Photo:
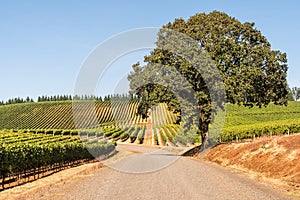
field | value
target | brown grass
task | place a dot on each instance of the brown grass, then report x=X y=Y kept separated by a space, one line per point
x=277 y=157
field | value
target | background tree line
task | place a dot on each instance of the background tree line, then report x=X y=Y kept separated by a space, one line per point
x=294 y=93
x=44 y=98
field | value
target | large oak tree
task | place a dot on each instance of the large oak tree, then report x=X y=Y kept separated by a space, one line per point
x=252 y=73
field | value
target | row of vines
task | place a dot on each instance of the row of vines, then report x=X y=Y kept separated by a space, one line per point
x=28 y=154
x=82 y=114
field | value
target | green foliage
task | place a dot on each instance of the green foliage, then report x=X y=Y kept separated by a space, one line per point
x=163 y=137
x=21 y=152
x=239 y=115
x=91 y=133
x=134 y=134
x=74 y=133
x=57 y=132
x=59 y=115
x=117 y=134
x=49 y=132
x=141 y=135
x=65 y=132
x=257 y=130
x=252 y=73
x=99 y=134
x=156 y=139
x=124 y=136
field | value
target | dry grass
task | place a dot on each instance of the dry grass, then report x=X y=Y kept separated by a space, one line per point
x=42 y=185
x=276 y=158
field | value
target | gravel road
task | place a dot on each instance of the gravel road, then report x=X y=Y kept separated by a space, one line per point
x=182 y=178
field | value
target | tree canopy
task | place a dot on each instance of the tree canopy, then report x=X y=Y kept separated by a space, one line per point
x=251 y=73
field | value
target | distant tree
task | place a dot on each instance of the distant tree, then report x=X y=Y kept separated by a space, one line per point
x=253 y=73
x=290 y=94
x=296 y=93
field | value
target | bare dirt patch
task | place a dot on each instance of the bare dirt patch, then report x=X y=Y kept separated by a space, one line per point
x=273 y=159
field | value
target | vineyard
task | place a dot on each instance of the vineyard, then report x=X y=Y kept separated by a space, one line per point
x=245 y=123
x=117 y=120
x=43 y=137
x=25 y=155
x=83 y=114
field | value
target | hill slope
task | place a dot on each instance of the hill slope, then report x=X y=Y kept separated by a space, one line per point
x=240 y=122
x=272 y=157
x=86 y=114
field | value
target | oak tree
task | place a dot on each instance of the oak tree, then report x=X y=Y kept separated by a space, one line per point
x=252 y=73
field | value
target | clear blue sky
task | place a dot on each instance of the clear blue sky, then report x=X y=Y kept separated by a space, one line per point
x=43 y=43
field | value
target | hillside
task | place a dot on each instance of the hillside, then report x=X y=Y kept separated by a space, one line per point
x=59 y=115
x=88 y=114
x=239 y=115
x=273 y=158
x=246 y=123
x=240 y=122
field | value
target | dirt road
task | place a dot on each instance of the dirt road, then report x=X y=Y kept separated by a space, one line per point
x=180 y=178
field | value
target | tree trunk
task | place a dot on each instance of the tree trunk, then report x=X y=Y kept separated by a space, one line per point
x=3 y=180
x=204 y=136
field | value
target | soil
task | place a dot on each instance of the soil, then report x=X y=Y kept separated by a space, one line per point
x=148 y=134
x=273 y=159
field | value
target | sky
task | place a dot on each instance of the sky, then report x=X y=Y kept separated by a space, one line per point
x=44 y=44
